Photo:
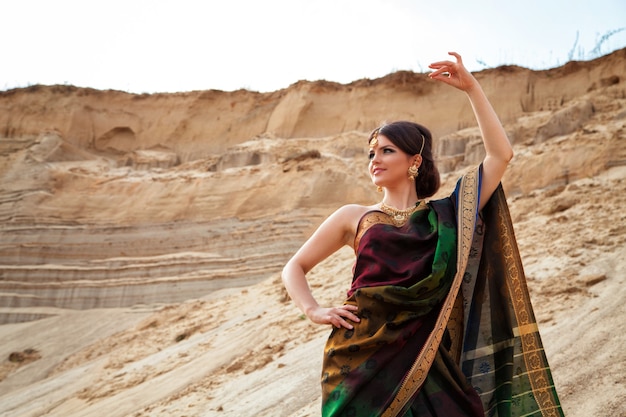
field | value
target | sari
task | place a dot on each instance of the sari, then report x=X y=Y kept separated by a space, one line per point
x=447 y=328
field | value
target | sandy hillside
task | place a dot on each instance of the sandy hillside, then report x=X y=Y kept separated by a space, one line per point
x=142 y=236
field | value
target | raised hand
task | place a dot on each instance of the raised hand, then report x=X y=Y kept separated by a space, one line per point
x=453 y=73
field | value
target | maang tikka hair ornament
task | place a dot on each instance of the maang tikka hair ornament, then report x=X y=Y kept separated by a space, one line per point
x=374 y=141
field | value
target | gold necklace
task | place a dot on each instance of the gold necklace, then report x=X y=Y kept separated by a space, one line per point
x=399 y=217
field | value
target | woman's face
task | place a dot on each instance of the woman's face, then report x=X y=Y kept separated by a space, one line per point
x=388 y=165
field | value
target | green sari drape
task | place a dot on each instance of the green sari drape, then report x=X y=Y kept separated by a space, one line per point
x=454 y=334
x=503 y=355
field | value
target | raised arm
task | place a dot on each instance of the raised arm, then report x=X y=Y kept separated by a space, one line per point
x=497 y=146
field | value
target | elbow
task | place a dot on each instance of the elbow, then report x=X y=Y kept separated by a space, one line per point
x=509 y=155
x=506 y=151
x=289 y=270
x=284 y=275
x=506 y=154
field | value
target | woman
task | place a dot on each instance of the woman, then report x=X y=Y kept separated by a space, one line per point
x=424 y=330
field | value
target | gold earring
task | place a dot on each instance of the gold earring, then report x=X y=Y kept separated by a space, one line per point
x=379 y=189
x=413 y=172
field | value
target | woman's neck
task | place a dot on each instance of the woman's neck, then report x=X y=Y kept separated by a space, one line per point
x=400 y=200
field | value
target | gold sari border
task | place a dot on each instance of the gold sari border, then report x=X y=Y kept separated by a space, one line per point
x=466 y=213
x=538 y=373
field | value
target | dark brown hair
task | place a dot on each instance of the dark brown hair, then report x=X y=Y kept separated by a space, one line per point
x=408 y=137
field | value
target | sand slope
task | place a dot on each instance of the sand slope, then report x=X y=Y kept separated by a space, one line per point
x=142 y=237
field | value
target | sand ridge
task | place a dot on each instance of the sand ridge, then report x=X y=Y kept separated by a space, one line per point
x=142 y=240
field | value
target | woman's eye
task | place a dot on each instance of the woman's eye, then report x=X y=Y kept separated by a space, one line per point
x=387 y=150
x=371 y=155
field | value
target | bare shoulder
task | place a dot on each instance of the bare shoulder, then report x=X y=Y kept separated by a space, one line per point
x=347 y=218
x=352 y=213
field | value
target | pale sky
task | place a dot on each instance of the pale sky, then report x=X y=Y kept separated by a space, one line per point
x=148 y=46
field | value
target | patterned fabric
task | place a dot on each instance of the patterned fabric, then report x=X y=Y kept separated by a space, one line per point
x=503 y=355
x=372 y=370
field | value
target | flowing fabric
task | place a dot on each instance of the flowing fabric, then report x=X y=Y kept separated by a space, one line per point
x=502 y=355
x=430 y=342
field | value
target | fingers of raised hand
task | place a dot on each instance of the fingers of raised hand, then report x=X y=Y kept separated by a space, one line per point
x=459 y=60
x=446 y=69
x=441 y=72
